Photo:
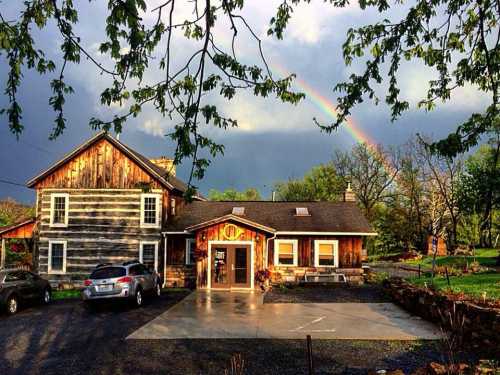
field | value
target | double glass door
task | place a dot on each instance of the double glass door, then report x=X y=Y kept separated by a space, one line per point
x=230 y=266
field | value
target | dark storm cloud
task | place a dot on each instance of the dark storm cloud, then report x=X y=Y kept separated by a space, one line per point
x=278 y=143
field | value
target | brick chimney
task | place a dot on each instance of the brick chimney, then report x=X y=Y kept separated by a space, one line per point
x=165 y=164
x=349 y=195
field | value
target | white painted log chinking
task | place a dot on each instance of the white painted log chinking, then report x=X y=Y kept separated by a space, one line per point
x=100 y=240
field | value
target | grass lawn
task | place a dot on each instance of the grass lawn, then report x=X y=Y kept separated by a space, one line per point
x=377 y=257
x=66 y=294
x=472 y=285
x=76 y=293
x=485 y=257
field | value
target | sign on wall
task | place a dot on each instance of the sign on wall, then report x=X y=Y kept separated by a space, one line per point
x=231 y=232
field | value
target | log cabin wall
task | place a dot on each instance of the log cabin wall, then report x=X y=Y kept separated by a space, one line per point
x=216 y=233
x=104 y=187
x=103 y=227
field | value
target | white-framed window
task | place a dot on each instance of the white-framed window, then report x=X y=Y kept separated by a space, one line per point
x=150 y=210
x=148 y=254
x=285 y=252
x=172 y=206
x=59 y=204
x=57 y=257
x=190 y=249
x=326 y=253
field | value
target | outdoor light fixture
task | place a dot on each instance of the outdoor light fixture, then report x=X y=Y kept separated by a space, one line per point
x=203 y=236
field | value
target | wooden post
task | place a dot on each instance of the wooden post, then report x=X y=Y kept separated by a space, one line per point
x=447 y=276
x=3 y=254
x=310 y=364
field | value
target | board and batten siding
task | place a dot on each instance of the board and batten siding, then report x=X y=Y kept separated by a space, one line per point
x=103 y=227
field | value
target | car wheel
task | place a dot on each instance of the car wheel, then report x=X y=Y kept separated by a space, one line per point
x=47 y=296
x=12 y=305
x=138 y=298
x=158 y=290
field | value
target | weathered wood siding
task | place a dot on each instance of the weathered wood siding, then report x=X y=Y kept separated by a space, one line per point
x=216 y=233
x=100 y=166
x=349 y=250
x=103 y=226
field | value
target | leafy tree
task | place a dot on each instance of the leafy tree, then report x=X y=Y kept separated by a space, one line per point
x=321 y=183
x=182 y=90
x=372 y=172
x=480 y=188
x=458 y=39
x=250 y=194
x=12 y=212
x=443 y=174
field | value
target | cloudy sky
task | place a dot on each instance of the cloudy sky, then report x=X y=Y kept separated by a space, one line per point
x=274 y=141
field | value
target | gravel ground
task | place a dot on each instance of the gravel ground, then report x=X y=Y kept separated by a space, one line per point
x=367 y=293
x=66 y=338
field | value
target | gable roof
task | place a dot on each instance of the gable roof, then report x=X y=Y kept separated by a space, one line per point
x=325 y=217
x=231 y=217
x=162 y=176
x=26 y=231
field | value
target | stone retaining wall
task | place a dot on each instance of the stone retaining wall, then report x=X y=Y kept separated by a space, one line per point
x=480 y=324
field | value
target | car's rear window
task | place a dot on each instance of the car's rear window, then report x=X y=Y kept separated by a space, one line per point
x=108 y=273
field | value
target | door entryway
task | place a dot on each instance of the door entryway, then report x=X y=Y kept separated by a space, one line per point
x=230 y=266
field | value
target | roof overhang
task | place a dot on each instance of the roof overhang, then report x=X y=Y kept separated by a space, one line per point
x=234 y=218
x=299 y=233
x=123 y=148
x=23 y=229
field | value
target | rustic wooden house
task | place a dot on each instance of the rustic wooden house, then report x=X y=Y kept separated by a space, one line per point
x=104 y=202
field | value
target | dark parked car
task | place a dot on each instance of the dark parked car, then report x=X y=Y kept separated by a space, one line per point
x=17 y=286
x=129 y=280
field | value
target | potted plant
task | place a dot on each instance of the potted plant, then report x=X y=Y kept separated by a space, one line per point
x=263 y=278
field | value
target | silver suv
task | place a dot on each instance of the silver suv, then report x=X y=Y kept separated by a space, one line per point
x=130 y=280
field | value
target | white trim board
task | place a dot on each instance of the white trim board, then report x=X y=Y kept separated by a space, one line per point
x=49 y=262
x=328 y=233
x=52 y=208
x=187 y=253
x=158 y=209
x=141 y=255
x=335 y=244
x=295 y=252
x=252 y=260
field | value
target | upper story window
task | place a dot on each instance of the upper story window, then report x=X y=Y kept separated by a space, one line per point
x=59 y=203
x=150 y=210
x=57 y=257
x=285 y=252
x=172 y=206
x=326 y=253
x=190 y=250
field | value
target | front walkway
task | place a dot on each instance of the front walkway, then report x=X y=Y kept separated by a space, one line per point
x=228 y=315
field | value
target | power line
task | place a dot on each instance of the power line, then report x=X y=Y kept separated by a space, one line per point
x=12 y=183
x=36 y=147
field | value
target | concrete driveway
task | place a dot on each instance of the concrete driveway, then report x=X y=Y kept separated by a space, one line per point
x=232 y=315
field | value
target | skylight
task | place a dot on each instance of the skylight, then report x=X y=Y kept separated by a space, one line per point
x=302 y=211
x=240 y=211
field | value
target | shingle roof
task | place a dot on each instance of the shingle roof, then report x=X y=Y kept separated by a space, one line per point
x=160 y=174
x=342 y=217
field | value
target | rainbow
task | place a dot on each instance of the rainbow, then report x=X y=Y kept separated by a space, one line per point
x=325 y=105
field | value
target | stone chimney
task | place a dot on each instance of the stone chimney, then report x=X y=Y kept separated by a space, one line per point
x=165 y=164
x=349 y=195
